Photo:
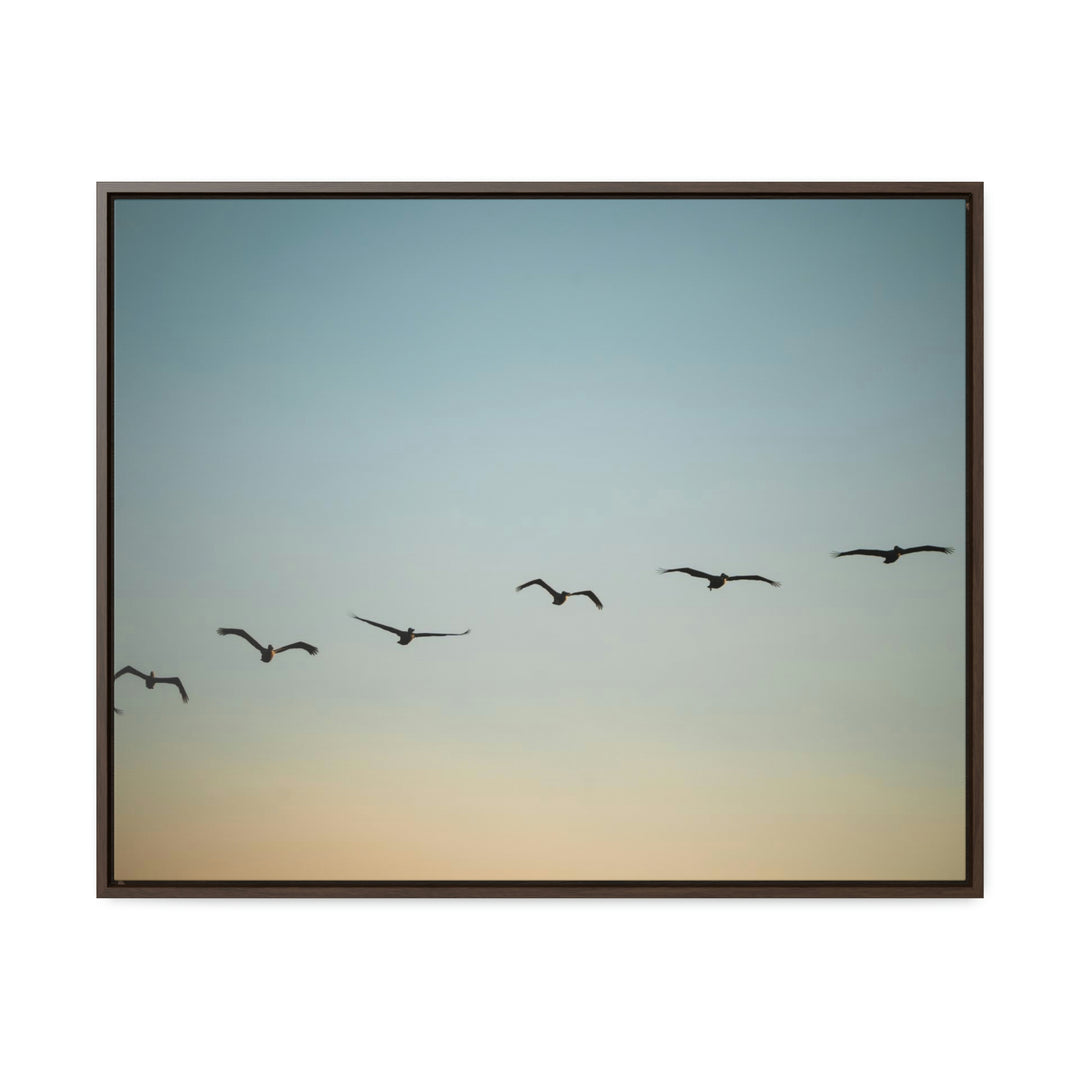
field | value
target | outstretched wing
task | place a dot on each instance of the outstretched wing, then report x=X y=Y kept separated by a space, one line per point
x=223 y=630
x=927 y=547
x=129 y=670
x=309 y=649
x=535 y=581
x=381 y=626
x=591 y=595
x=753 y=577
x=462 y=634
x=860 y=551
x=684 y=570
x=175 y=680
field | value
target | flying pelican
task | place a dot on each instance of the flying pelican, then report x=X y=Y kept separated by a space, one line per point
x=268 y=651
x=892 y=556
x=405 y=636
x=718 y=581
x=558 y=598
x=152 y=680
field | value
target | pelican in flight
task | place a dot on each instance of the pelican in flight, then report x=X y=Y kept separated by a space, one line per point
x=558 y=598
x=268 y=652
x=152 y=680
x=718 y=581
x=405 y=636
x=892 y=556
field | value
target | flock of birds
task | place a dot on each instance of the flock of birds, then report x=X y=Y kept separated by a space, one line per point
x=407 y=636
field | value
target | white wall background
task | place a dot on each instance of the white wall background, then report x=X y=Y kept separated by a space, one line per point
x=482 y=90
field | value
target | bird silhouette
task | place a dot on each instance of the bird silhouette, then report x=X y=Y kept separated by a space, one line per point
x=267 y=652
x=893 y=555
x=406 y=636
x=152 y=680
x=558 y=598
x=718 y=581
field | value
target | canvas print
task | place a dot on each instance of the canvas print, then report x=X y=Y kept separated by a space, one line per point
x=538 y=539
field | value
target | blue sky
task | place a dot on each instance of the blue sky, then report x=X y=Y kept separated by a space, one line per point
x=404 y=408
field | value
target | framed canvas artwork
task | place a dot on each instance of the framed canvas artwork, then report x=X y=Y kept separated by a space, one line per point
x=387 y=473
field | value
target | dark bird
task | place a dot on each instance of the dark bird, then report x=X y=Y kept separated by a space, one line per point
x=405 y=636
x=152 y=680
x=268 y=652
x=558 y=598
x=718 y=581
x=892 y=556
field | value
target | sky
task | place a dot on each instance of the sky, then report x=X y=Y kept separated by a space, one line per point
x=403 y=408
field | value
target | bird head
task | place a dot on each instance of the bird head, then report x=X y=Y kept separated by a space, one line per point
x=410 y=630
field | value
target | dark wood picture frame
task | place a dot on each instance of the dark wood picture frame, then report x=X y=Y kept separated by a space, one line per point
x=970 y=886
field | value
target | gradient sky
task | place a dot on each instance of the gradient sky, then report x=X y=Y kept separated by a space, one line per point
x=404 y=408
